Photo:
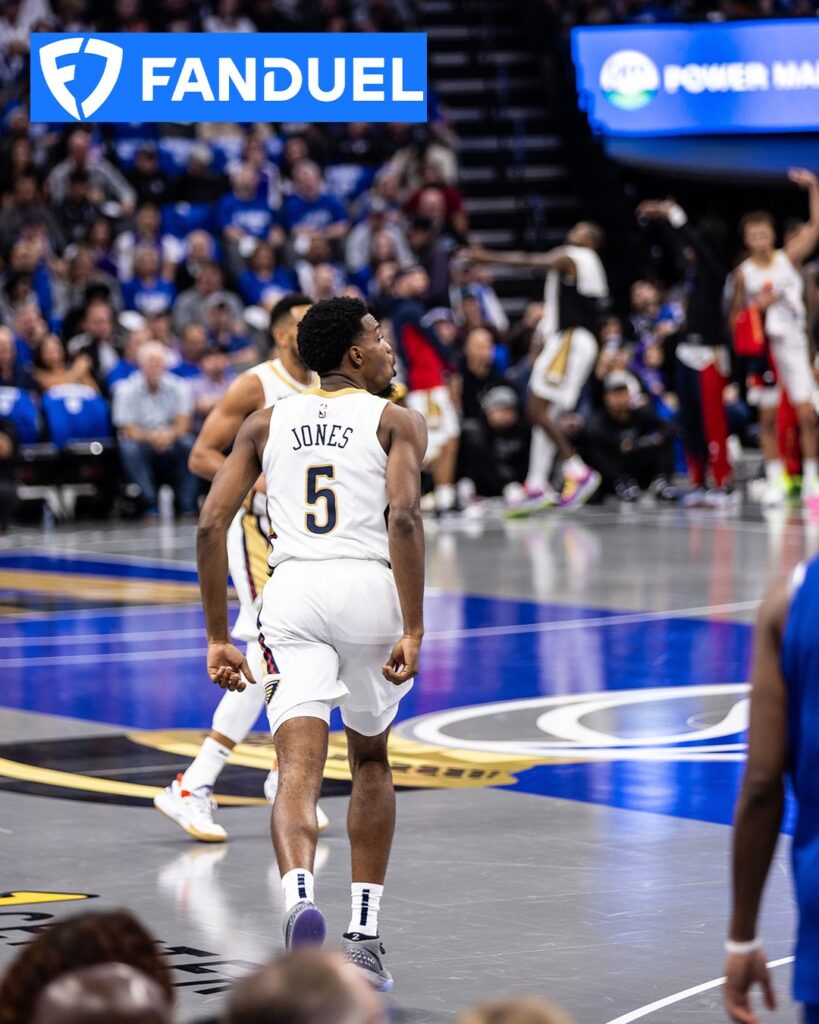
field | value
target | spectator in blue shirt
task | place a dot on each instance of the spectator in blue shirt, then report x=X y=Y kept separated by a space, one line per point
x=263 y=282
x=241 y=214
x=146 y=292
x=310 y=211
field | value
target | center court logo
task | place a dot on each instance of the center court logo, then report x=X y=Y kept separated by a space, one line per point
x=57 y=76
x=629 y=80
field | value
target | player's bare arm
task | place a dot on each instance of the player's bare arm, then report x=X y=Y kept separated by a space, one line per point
x=403 y=434
x=555 y=259
x=801 y=244
x=759 y=809
x=244 y=396
x=226 y=663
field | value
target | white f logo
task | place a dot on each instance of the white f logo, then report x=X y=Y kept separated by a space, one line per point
x=57 y=77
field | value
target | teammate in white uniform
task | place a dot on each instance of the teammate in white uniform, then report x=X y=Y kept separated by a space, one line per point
x=771 y=279
x=188 y=800
x=575 y=292
x=342 y=615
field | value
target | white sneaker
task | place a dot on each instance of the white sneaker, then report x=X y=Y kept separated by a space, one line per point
x=773 y=496
x=191 y=811
x=271 y=787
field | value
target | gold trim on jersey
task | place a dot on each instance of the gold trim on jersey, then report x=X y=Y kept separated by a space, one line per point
x=257 y=550
x=336 y=394
x=289 y=380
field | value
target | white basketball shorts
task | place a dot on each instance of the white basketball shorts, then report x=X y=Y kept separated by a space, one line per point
x=327 y=627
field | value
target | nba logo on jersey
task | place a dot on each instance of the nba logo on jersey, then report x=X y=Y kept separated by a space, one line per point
x=322 y=413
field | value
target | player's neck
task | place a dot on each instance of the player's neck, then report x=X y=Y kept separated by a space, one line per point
x=339 y=381
x=764 y=260
x=295 y=367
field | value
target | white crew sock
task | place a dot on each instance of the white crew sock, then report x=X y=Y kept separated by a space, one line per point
x=205 y=768
x=444 y=497
x=810 y=471
x=574 y=467
x=541 y=460
x=773 y=473
x=366 y=902
x=297 y=886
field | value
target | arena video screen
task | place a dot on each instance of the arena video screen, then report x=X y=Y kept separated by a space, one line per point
x=699 y=79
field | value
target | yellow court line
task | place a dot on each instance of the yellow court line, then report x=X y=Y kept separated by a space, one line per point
x=26 y=899
x=99 y=587
x=89 y=784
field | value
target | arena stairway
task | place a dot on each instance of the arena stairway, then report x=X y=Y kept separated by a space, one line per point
x=514 y=155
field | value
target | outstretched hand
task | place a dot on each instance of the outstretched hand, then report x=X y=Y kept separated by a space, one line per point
x=227 y=665
x=403 y=661
x=802 y=177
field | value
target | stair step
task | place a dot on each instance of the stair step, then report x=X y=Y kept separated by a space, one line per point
x=492 y=143
x=524 y=113
x=485 y=83
x=449 y=33
x=515 y=204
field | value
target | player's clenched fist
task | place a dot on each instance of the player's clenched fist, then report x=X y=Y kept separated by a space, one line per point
x=403 y=663
x=227 y=665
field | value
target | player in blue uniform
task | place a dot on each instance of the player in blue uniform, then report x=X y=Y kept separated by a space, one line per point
x=783 y=742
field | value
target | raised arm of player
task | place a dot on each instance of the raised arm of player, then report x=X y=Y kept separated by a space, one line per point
x=244 y=396
x=226 y=663
x=405 y=434
x=556 y=259
x=760 y=807
x=802 y=243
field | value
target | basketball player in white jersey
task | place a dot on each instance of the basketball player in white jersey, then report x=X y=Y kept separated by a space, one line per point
x=188 y=800
x=771 y=280
x=575 y=293
x=342 y=614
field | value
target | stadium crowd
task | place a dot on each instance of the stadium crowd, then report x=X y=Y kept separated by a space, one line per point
x=140 y=266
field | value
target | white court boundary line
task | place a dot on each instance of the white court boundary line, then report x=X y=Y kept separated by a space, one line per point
x=678 y=997
x=552 y=626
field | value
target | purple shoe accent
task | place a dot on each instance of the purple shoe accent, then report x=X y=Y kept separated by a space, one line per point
x=309 y=928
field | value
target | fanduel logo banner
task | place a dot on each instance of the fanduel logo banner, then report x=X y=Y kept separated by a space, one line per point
x=189 y=77
x=700 y=79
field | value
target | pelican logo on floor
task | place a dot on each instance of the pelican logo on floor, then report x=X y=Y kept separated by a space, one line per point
x=190 y=77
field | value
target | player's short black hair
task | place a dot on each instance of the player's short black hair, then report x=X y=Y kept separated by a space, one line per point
x=283 y=307
x=327 y=330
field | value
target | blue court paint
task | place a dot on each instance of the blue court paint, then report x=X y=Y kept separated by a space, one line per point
x=141 y=669
x=90 y=566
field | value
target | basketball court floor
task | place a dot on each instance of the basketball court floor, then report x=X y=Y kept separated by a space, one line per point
x=567 y=762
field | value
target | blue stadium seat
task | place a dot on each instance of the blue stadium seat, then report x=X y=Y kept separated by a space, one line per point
x=18 y=406
x=75 y=412
x=348 y=181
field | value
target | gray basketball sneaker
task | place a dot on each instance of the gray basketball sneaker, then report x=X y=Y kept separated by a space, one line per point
x=304 y=926
x=366 y=953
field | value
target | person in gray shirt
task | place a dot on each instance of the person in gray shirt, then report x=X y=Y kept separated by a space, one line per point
x=105 y=180
x=152 y=413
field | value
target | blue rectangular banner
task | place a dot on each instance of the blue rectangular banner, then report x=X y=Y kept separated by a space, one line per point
x=760 y=76
x=190 y=77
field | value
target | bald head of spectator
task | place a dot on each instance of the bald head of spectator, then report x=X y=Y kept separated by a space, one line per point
x=103 y=994
x=515 y=1010
x=432 y=205
x=152 y=363
x=305 y=987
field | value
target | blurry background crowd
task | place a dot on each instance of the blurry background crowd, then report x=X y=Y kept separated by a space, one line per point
x=139 y=266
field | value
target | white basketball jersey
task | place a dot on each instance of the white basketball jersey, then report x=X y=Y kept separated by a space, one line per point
x=786 y=316
x=326 y=477
x=277 y=382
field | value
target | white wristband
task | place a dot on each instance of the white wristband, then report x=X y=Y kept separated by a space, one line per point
x=742 y=948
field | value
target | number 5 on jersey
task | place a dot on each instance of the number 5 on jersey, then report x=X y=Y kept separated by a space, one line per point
x=314 y=494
